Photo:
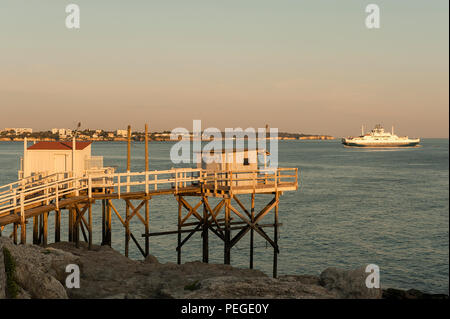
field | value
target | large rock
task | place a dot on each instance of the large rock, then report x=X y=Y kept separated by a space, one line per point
x=106 y=273
x=348 y=283
x=39 y=272
x=2 y=274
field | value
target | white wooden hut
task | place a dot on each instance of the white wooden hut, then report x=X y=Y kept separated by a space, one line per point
x=236 y=160
x=48 y=157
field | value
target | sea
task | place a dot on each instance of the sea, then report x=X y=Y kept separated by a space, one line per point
x=354 y=207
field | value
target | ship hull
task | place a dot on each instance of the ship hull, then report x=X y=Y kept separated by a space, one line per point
x=353 y=144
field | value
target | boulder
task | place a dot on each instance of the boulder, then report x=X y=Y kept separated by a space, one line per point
x=348 y=284
x=2 y=274
x=39 y=272
x=150 y=259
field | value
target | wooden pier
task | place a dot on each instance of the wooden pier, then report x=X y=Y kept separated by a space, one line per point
x=36 y=198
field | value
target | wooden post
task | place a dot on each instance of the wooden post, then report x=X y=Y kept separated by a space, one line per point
x=15 y=233
x=57 y=226
x=70 y=230
x=128 y=157
x=227 y=255
x=23 y=233
x=129 y=148
x=252 y=214
x=76 y=228
x=147 y=209
x=127 y=229
x=147 y=230
x=35 y=230
x=41 y=228
x=146 y=147
x=275 y=239
x=45 y=228
x=103 y=221
x=179 y=231
x=108 y=224
x=90 y=225
x=205 y=232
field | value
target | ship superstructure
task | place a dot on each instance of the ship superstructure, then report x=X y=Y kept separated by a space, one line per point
x=378 y=137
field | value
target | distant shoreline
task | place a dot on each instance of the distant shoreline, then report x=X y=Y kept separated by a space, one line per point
x=141 y=139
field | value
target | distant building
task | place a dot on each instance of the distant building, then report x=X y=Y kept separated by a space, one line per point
x=21 y=130
x=62 y=132
x=122 y=133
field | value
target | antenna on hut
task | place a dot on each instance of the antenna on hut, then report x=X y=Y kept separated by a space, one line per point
x=74 y=136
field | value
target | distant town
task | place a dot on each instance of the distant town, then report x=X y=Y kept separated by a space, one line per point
x=61 y=134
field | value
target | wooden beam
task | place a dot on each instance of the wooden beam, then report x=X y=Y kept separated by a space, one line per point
x=275 y=239
x=35 y=230
x=90 y=226
x=45 y=228
x=179 y=231
x=147 y=228
x=192 y=210
x=57 y=226
x=236 y=199
x=227 y=242
x=205 y=226
x=252 y=234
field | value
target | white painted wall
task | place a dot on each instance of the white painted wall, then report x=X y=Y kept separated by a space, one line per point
x=55 y=161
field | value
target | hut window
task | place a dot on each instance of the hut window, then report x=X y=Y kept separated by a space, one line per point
x=246 y=161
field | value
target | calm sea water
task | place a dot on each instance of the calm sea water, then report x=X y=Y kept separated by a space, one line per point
x=353 y=207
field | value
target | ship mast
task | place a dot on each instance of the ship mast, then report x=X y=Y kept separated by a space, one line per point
x=392 y=129
x=362 y=130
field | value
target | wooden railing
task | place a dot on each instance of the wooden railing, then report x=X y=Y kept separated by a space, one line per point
x=53 y=188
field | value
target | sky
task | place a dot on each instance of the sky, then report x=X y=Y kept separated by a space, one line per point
x=301 y=66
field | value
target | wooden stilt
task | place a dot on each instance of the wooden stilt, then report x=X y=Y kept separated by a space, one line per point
x=35 y=230
x=45 y=229
x=70 y=230
x=227 y=251
x=108 y=223
x=76 y=228
x=57 y=226
x=147 y=230
x=103 y=221
x=14 y=234
x=275 y=239
x=41 y=229
x=179 y=231
x=205 y=232
x=23 y=232
x=90 y=225
x=252 y=234
x=127 y=229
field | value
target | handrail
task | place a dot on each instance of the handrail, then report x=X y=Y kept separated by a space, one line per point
x=52 y=187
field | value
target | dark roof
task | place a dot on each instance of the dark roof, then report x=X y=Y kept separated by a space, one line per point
x=67 y=145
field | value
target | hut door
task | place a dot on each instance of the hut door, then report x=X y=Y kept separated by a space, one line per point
x=60 y=163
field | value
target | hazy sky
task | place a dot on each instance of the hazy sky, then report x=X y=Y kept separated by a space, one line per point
x=302 y=66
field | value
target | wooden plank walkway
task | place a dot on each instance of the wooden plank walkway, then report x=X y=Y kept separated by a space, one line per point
x=37 y=198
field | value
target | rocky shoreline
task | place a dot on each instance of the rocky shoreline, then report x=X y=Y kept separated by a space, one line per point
x=29 y=271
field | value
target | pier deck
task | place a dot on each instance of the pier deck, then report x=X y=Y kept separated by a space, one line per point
x=35 y=198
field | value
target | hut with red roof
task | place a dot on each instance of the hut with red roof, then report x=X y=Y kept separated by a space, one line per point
x=48 y=157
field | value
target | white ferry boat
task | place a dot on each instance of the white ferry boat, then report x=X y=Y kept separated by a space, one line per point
x=379 y=138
